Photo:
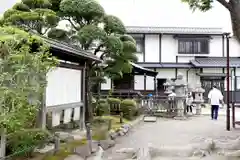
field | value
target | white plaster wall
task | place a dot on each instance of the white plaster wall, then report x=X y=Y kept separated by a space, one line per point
x=231 y=80
x=107 y=85
x=215 y=46
x=63 y=86
x=234 y=48
x=238 y=78
x=185 y=59
x=166 y=73
x=183 y=72
x=212 y=70
x=152 y=48
x=149 y=83
x=169 y=49
x=138 y=82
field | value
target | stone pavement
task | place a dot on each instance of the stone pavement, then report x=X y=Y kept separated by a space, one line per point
x=168 y=132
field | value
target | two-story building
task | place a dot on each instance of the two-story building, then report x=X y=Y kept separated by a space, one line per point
x=198 y=53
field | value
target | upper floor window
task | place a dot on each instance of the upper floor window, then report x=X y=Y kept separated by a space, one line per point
x=193 y=46
x=139 y=38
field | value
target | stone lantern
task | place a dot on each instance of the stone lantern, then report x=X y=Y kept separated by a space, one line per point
x=180 y=91
x=168 y=86
x=198 y=91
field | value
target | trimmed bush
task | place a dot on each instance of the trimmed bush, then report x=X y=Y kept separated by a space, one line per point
x=114 y=100
x=114 y=105
x=129 y=108
x=103 y=108
x=23 y=142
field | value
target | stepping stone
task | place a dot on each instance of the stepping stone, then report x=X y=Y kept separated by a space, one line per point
x=149 y=119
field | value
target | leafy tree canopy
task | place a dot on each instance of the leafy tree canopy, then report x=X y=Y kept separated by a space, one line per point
x=24 y=60
x=233 y=6
x=92 y=29
x=32 y=15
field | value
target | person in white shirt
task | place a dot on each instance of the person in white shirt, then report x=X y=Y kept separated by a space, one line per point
x=215 y=98
x=189 y=101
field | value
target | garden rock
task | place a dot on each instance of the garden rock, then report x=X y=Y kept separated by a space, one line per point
x=106 y=144
x=121 y=133
x=113 y=135
x=84 y=151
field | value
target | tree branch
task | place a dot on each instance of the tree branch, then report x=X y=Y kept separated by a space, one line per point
x=225 y=4
x=98 y=49
x=74 y=26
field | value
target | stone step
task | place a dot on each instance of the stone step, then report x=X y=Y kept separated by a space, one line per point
x=150 y=119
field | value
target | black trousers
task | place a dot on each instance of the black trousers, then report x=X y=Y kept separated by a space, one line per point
x=214 y=111
x=189 y=108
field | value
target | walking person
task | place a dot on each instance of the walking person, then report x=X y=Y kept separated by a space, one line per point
x=189 y=101
x=215 y=98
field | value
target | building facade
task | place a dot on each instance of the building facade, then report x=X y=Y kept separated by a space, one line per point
x=198 y=53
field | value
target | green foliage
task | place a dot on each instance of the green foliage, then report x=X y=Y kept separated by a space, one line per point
x=203 y=5
x=25 y=60
x=103 y=108
x=129 y=108
x=114 y=101
x=82 y=12
x=24 y=141
x=32 y=15
x=113 y=24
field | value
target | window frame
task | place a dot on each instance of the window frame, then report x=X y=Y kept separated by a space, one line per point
x=139 y=39
x=192 y=47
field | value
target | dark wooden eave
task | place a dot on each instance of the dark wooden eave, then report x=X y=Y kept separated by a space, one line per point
x=137 y=69
x=65 y=51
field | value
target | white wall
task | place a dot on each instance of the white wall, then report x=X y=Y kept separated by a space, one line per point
x=234 y=48
x=138 y=82
x=169 y=49
x=166 y=73
x=64 y=86
x=185 y=59
x=215 y=46
x=152 y=48
x=107 y=85
x=212 y=70
x=149 y=83
x=193 y=78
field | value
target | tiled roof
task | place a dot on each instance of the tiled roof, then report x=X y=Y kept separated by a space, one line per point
x=174 y=30
x=71 y=49
x=215 y=62
x=165 y=65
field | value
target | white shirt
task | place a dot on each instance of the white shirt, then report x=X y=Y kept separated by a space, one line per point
x=189 y=101
x=215 y=96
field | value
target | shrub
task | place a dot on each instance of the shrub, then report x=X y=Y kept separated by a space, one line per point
x=102 y=108
x=23 y=142
x=114 y=105
x=129 y=108
x=114 y=100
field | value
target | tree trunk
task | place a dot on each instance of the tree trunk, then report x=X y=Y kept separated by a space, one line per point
x=235 y=17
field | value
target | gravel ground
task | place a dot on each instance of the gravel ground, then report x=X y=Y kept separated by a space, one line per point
x=168 y=132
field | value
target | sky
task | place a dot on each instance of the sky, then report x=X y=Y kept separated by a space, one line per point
x=158 y=13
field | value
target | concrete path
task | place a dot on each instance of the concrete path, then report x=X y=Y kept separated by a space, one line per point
x=168 y=132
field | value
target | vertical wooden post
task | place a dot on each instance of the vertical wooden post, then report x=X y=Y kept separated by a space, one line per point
x=121 y=117
x=228 y=87
x=83 y=98
x=110 y=124
x=89 y=136
x=56 y=142
x=3 y=143
x=42 y=113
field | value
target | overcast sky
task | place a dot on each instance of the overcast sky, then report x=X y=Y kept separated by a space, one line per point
x=167 y=13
